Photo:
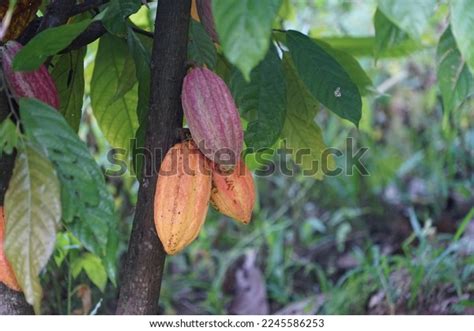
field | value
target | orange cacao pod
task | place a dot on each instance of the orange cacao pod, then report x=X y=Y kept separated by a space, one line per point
x=31 y=84
x=7 y=276
x=182 y=196
x=233 y=194
x=194 y=13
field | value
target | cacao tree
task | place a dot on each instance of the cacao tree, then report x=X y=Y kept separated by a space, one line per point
x=229 y=70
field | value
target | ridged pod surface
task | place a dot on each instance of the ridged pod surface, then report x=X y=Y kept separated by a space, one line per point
x=233 y=194
x=32 y=84
x=204 y=9
x=7 y=276
x=212 y=116
x=182 y=196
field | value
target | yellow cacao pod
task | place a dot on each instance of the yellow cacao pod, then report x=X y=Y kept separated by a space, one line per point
x=7 y=276
x=182 y=196
x=233 y=194
x=194 y=12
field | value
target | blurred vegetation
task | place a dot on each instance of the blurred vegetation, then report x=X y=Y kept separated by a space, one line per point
x=399 y=240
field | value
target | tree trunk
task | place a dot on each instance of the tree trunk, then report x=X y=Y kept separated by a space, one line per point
x=143 y=269
x=11 y=302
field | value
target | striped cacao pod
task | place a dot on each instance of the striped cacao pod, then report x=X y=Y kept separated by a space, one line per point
x=31 y=84
x=182 y=196
x=233 y=194
x=212 y=116
x=7 y=276
x=204 y=9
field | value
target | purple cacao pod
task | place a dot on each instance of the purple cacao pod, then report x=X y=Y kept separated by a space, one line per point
x=204 y=9
x=31 y=84
x=212 y=116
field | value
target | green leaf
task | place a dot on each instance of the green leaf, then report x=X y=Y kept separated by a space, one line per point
x=68 y=74
x=410 y=16
x=118 y=120
x=201 y=48
x=462 y=24
x=364 y=46
x=47 y=43
x=263 y=99
x=116 y=15
x=301 y=131
x=387 y=35
x=93 y=267
x=454 y=78
x=324 y=77
x=88 y=207
x=141 y=53
x=8 y=136
x=350 y=65
x=125 y=84
x=33 y=212
x=244 y=28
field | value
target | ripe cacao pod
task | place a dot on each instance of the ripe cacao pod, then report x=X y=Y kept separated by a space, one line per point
x=194 y=13
x=233 y=194
x=204 y=9
x=31 y=84
x=212 y=116
x=7 y=276
x=182 y=196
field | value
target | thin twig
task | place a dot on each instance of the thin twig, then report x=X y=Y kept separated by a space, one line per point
x=86 y=6
x=143 y=32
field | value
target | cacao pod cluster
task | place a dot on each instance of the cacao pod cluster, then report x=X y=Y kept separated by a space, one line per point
x=205 y=170
x=31 y=84
x=7 y=276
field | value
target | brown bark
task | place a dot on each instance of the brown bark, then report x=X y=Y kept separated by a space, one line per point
x=143 y=269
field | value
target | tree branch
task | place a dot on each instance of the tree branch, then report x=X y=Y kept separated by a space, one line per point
x=57 y=13
x=143 y=270
x=86 y=6
x=93 y=32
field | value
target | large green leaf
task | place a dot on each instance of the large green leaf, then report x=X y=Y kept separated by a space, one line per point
x=387 y=35
x=116 y=15
x=454 y=78
x=324 y=77
x=88 y=207
x=462 y=24
x=301 y=133
x=118 y=119
x=244 y=28
x=350 y=65
x=409 y=15
x=33 y=212
x=364 y=46
x=263 y=99
x=201 y=49
x=47 y=43
x=68 y=74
